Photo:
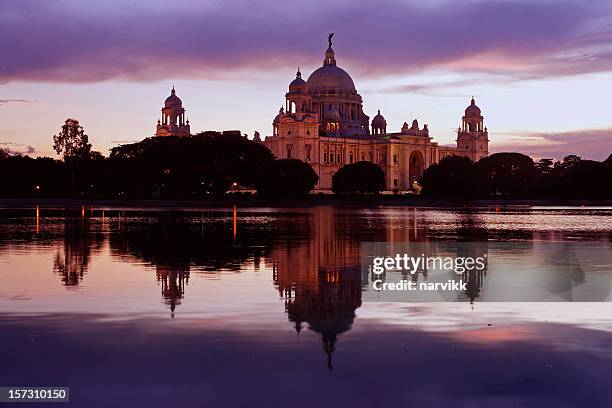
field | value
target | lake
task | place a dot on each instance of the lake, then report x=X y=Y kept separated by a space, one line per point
x=274 y=306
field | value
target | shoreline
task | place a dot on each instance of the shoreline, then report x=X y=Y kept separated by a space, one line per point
x=307 y=201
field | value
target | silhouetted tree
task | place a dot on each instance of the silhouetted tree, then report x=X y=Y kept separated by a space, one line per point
x=589 y=179
x=545 y=166
x=506 y=174
x=568 y=162
x=95 y=155
x=362 y=177
x=72 y=142
x=26 y=176
x=207 y=163
x=453 y=177
x=288 y=177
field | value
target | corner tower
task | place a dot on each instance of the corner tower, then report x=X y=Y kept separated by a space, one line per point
x=472 y=136
x=172 y=122
x=298 y=98
x=296 y=127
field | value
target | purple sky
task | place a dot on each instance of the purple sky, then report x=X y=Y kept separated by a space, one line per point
x=70 y=58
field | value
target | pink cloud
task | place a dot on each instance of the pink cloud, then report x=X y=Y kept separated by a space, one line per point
x=75 y=41
x=593 y=144
x=17 y=148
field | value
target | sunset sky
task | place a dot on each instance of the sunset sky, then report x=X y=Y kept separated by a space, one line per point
x=541 y=71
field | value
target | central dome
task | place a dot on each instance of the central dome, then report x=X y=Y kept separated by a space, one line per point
x=330 y=77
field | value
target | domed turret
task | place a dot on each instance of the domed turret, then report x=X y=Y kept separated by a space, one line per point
x=298 y=85
x=379 y=119
x=473 y=119
x=298 y=99
x=173 y=101
x=379 y=124
x=173 y=121
x=472 y=110
x=472 y=136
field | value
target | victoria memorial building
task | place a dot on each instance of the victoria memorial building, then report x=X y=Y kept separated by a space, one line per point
x=323 y=124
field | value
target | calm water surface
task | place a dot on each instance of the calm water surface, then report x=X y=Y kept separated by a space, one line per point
x=269 y=307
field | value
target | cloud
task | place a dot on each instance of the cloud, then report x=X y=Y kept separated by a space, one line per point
x=426 y=88
x=594 y=144
x=5 y=101
x=17 y=148
x=75 y=41
x=468 y=80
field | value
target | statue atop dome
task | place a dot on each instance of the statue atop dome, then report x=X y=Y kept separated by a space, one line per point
x=329 y=39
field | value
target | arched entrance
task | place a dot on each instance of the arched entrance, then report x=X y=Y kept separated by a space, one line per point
x=416 y=166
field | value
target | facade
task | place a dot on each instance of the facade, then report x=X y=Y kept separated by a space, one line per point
x=172 y=121
x=323 y=124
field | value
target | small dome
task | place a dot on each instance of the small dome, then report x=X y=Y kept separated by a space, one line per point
x=298 y=84
x=472 y=110
x=281 y=114
x=379 y=120
x=173 y=101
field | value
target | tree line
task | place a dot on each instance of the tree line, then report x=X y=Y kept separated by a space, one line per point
x=516 y=176
x=210 y=164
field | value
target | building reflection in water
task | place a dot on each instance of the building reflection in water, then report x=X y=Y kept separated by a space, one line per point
x=179 y=243
x=315 y=256
x=173 y=280
x=474 y=237
x=319 y=278
x=72 y=259
x=166 y=241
